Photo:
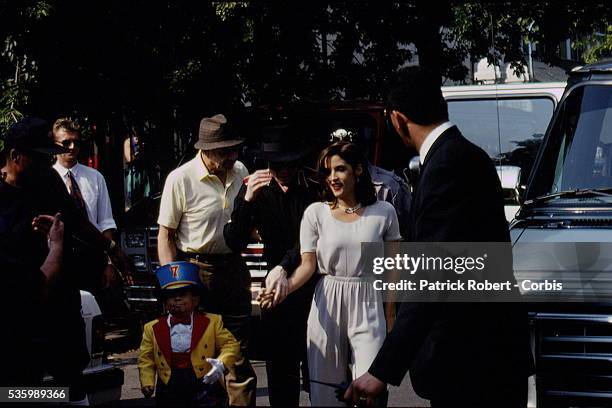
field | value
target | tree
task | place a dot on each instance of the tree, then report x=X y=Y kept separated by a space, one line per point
x=18 y=69
x=159 y=67
x=597 y=46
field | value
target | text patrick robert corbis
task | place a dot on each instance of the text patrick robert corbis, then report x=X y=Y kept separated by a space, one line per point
x=457 y=264
x=467 y=285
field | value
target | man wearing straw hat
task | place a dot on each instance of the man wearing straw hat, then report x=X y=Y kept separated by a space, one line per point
x=197 y=201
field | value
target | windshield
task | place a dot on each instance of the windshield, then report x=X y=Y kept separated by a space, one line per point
x=578 y=153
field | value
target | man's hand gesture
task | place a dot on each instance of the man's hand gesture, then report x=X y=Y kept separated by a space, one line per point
x=257 y=181
x=215 y=373
x=364 y=390
x=50 y=226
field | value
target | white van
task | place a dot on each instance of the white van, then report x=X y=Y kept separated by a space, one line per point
x=508 y=121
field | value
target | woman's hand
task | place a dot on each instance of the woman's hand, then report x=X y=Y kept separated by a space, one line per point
x=265 y=298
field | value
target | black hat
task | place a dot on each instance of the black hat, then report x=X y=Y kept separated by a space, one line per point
x=281 y=144
x=31 y=134
x=216 y=133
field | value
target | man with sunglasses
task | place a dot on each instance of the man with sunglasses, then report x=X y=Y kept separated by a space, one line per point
x=29 y=188
x=86 y=186
x=196 y=203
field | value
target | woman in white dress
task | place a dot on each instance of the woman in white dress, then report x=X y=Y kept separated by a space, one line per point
x=346 y=325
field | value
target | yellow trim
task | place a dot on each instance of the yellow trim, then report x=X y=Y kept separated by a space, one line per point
x=183 y=283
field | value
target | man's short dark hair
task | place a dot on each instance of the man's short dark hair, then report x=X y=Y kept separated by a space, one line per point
x=417 y=95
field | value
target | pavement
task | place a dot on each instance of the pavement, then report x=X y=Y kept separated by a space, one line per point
x=402 y=396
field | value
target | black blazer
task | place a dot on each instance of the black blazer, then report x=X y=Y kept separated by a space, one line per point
x=457 y=349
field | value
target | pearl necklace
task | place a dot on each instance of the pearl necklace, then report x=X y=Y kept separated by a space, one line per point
x=351 y=210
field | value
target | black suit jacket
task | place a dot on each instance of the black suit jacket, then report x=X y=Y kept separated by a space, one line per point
x=455 y=350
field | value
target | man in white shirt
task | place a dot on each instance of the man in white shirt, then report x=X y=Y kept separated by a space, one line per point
x=84 y=184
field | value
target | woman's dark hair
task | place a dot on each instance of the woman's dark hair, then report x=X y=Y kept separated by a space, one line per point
x=352 y=154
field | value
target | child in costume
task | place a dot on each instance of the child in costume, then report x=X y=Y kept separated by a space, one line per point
x=189 y=351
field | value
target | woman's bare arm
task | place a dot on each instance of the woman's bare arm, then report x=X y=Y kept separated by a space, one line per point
x=302 y=274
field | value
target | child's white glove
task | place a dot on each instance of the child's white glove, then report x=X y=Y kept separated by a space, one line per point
x=215 y=373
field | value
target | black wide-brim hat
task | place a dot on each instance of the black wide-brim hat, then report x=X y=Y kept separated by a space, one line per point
x=281 y=144
x=31 y=135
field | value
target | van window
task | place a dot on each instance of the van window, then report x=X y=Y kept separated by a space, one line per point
x=579 y=155
x=517 y=138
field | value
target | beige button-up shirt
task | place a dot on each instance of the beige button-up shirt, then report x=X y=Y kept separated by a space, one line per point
x=198 y=205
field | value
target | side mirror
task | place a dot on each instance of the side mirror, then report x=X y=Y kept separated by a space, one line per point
x=522 y=191
x=510 y=177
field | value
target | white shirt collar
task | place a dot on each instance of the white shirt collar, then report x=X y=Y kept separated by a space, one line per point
x=64 y=171
x=431 y=139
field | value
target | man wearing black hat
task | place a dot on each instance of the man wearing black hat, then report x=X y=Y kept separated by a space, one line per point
x=273 y=202
x=23 y=278
x=196 y=203
x=31 y=187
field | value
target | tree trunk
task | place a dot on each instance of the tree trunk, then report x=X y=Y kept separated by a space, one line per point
x=428 y=39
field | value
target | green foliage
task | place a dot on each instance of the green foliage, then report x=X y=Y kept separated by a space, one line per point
x=162 y=66
x=226 y=9
x=18 y=69
x=597 y=46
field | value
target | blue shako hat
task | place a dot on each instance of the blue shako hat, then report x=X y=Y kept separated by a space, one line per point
x=178 y=275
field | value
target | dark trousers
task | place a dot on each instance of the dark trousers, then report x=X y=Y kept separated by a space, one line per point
x=67 y=354
x=24 y=361
x=286 y=352
x=285 y=329
x=228 y=293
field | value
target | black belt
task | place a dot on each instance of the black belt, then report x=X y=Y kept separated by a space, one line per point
x=207 y=258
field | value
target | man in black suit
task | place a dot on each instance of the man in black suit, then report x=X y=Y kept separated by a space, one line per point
x=459 y=354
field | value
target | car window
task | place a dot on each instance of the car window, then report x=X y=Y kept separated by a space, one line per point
x=579 y=152
x=585 y=157
x=512 y=140
x=477 y=120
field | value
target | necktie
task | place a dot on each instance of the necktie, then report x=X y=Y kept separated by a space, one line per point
x=176 y=320
x=75 y=193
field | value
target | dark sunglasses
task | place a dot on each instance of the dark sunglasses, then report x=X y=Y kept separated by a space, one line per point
x=68 y=143
x=283 y=165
